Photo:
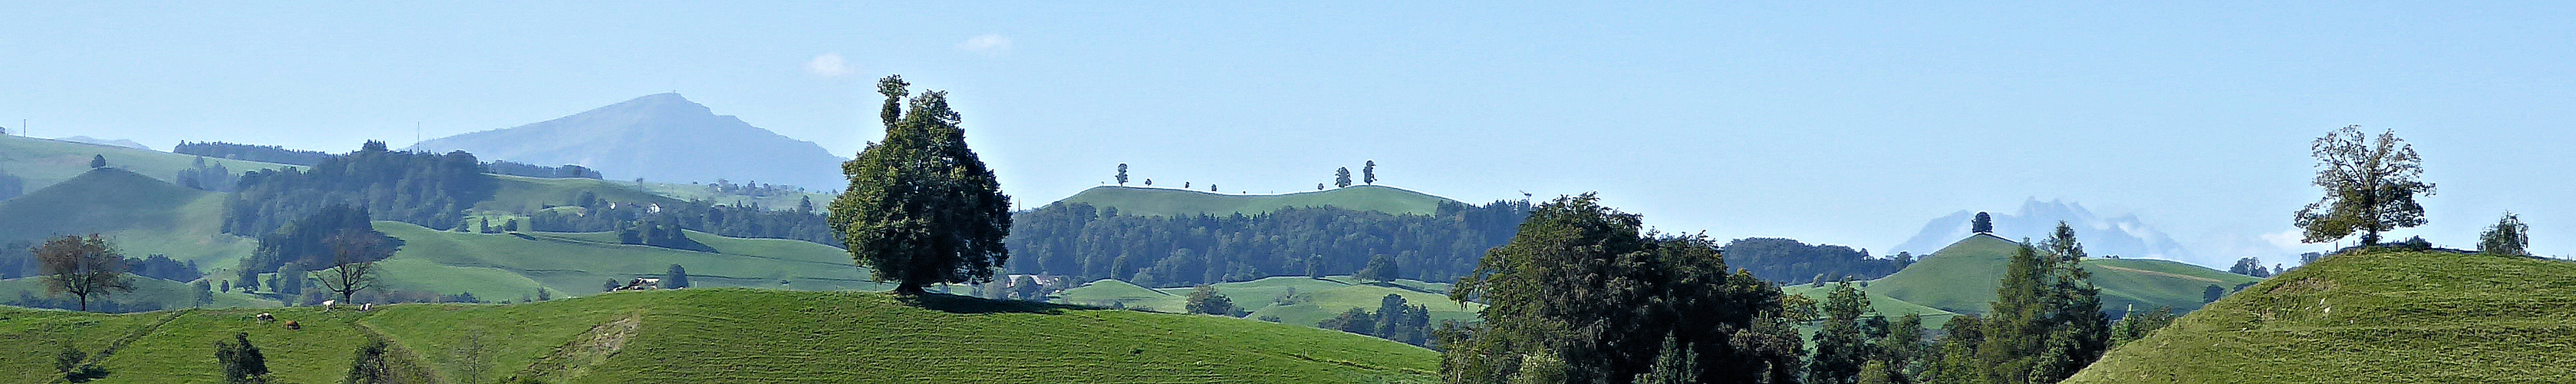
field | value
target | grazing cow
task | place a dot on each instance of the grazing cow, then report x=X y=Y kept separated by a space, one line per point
x=267 y=318
x=366 y=307
x=294 y=326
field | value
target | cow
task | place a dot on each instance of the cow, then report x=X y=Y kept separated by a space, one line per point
x=267 y=318
x=294 y=326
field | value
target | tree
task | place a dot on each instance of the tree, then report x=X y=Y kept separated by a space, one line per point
x=2246 y=266
x=2046 y=321
x=1205 y=300
x=1581 y=294
x=2136 y=325
x=369 y=365
x=1902 y=349
x=1027 y=289
x=1381 y=268
x=2509 y=237
x=2370 y=187
x=676 y=278
x=242 y=362
x=1841 y=345
x=1122 y=173
x=1342 y=177
x=1983 y=224
x=85 y=267
x=2212 y=293
x=205 y=293
x=921 y=207
x=353 y=263
x=98 y=161
x=1674 y=364
x=1368 y=173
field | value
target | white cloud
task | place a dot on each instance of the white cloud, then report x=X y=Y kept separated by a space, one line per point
x=830 y=65
x=990 y=44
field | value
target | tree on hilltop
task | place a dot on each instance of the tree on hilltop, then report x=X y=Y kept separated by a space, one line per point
x=1368 y=173
x=2508 y=237
x=921 y=207
x=98 y=161
x=1983 y=224
x=1122 y=173
x=2370 y=187
x=1342 y=177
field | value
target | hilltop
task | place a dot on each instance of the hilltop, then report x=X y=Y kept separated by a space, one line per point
x=142 y=215
x=2386 y=316
x=44 y=162
x=1171 y=201
x=1962 y=277
x=2123 y=235
x=659 y=137
x=726 y=336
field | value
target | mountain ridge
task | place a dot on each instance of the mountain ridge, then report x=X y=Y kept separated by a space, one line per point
x=659 y=137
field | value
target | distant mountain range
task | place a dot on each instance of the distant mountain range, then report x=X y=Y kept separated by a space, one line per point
x=116 y=143
x=662 y=138
x=2124 y=236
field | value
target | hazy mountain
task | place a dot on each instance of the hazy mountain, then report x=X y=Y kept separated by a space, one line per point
x=2124 y=235
x=661 y=137
x=114 y=143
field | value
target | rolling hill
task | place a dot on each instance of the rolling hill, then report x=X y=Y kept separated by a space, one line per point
x=660 y=137
x=1961 y=278
x=1293 y=299
x=725 y=336
x=1879 y=304
x=45 y=162
x=2386 y=316
x=1170 y=201
x=577 y=263
x=140 y=214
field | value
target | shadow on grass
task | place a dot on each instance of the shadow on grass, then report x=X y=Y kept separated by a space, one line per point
x=971 y=305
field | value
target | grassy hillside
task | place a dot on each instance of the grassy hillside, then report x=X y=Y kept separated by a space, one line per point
x=139 y=214
x=1171 y=201
x=2373 y=317
x=700 y=192
x=1293 y=299
x=1881 y=304
x=730 y=336
x=576 y=263
x=44 y=162
x=1961 y=278
x=527 y=194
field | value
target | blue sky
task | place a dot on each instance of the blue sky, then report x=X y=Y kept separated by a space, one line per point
x=1844 y=123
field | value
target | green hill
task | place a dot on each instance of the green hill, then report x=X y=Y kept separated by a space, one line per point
x=1881 y=304
x=727 y=336
x=2371 y=317
x=1961 y=278
x=165 y=293
x=577 y=263
x=1293 y=299
x=139 y=214
x=1169 y=201
x=44 y=162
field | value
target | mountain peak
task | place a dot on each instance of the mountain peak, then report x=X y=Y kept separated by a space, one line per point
x=659 y=137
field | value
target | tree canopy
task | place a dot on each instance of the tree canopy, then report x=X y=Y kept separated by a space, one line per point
x=921 y=208
x=2370 y=187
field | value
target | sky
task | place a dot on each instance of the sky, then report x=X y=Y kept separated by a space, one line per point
x=1830 y=122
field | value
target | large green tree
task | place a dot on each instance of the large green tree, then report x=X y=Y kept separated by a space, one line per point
x=1582 y=295
x=2509 y=237
x=1842 y=346
x=84 y=266
x=2370 y=186
x=921 y=208
x=2046 y=321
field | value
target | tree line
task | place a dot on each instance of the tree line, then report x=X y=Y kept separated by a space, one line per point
x=430 y=190
x=1784 y=261
x=1089 y=243
x=659 y=225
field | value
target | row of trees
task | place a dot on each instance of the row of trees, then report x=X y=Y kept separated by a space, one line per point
x=1395 y=319
x=747 y=220
x=1091 y=243
x=1783 y=261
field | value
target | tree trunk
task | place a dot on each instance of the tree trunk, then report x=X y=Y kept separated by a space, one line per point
x=910 y=288
x=84 y=303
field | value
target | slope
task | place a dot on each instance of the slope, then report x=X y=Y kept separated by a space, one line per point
x=1169 y=201
x=2384 y=316
x=158 y=292
x=1961 y=278
x=1879 y=304
x=45 y=162
x=660 y=137
x=578 y=263
x=729 y=336
x=1292 y=299
x=139 y=214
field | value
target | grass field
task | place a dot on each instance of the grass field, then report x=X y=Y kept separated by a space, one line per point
x=700 y=192
x=730 y=336
x=528 y=194
x=577 y=263
x=1882 y=305
x=1961 y=278
x=140 y=215
x=1171 y=201
x=2371 y=317
x=169 y=294
x=1293 y=299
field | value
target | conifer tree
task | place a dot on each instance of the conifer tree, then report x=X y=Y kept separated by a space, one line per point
x=1842 y=346
x=1342 y=177
x=921 y=207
